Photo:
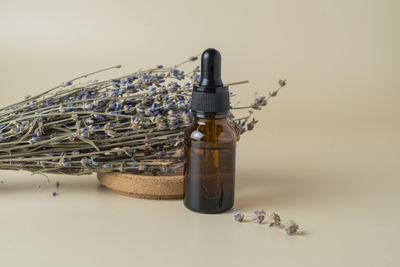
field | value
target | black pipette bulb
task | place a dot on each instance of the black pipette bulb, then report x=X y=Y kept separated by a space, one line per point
x=211 y=69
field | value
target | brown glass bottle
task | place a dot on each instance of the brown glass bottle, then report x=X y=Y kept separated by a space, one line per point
x=210 y=143
x=209 y=170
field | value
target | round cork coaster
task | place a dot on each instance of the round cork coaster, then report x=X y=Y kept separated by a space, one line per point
x=143 y=186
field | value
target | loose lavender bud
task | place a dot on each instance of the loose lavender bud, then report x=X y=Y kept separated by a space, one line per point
x=67 y=164
x=291 y=228
x=196 y=78
x=107 y=165
x=35 y=139
x=239 y=217
x=250 y=125
x=282 y=82
x=85 y=162
x=274 y=219
x=259 y=212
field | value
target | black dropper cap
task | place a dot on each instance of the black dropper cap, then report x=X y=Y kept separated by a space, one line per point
x=210 y=96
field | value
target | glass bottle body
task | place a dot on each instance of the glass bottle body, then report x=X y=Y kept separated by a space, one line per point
x=209 y=170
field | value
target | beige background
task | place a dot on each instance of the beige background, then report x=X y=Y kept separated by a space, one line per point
x=325 y=153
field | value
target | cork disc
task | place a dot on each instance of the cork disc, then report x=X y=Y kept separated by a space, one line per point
x=143 y=186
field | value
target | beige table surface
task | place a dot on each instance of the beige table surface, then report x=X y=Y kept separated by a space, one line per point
x=325 y=153
x=344 y=193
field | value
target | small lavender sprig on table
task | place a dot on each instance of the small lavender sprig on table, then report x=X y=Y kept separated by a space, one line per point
x=133 y=123
x=271 y=219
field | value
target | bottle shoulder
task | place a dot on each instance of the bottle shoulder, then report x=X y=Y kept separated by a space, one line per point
x=212 y=131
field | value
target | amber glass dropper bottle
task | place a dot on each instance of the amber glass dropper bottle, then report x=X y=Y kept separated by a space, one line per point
x=210 y=143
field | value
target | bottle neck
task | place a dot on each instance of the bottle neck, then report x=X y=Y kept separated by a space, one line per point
x=210 y=116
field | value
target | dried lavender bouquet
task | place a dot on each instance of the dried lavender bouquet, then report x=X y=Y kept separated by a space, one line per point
x=132 y=123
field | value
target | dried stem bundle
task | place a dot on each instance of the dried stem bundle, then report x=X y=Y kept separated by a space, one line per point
x=132 y=123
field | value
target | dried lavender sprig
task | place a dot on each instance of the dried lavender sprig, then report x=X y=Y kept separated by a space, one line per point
x=241 y=123
x=63 y=84
x=262 y=101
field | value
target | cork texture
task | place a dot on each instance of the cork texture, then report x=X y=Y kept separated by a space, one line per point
x=143 y=186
